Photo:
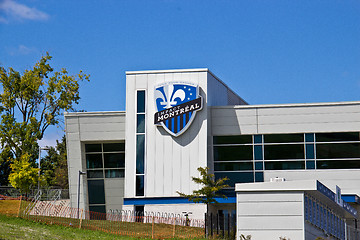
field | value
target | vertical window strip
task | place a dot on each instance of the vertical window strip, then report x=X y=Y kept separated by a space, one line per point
x=140 y=142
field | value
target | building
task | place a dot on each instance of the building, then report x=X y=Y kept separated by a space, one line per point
x=178 y=120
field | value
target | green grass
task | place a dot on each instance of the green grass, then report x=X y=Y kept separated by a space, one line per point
x=17 y=228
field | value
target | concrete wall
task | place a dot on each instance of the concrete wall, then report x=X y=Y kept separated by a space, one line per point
x=270 y=215
x=287 y=118
x=84 y=128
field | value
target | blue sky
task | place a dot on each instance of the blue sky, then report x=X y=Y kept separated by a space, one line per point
x=268 y=51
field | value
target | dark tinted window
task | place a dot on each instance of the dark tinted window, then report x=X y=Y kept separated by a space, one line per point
x=310 y=164
x=114 y=173
x=309 y=137
x=337 y=150
x=92 y=147
x=259 y=177
x=310 y=152
x=285 y=165
x=227 y=153
x=233 y=166
x=241 y=139
x=257 y=138
x=283 y=138
x=140 y=153
x=98 y=209
x=258 y=152
x=236 y=177
x=96 y=192
x=140 y=101
x=94 y=161
x=258 y=165
x=95 y=174
x=114 y=147
x=338 y=164
x=140 y=127
x=336 y=137
x=114 y=160
x=288 y=151
x=140 y=185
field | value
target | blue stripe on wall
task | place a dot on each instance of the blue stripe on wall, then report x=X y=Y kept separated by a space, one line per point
x=169 y=200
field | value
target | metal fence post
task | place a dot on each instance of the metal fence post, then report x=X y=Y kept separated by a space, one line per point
x=152 y=230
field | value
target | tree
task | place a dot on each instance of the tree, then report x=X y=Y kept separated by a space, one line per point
x=209 y=190
x=31 y=102
x=54 y=165
x=5 y=170
x=23 y=176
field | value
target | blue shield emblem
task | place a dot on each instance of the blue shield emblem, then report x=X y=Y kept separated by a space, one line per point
x=177 y=104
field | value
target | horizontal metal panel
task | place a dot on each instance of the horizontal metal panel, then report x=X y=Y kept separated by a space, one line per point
x=279 y=208
x=270 y=222
x=101 y=119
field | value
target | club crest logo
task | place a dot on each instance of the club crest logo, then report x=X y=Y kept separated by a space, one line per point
x=177 y=104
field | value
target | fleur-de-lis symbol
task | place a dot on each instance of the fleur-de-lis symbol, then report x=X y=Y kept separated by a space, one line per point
x=168 y=96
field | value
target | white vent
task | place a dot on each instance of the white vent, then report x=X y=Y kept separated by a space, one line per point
x=277 y=179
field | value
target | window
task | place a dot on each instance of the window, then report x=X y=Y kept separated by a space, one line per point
x=140 y=142
x=110 y=157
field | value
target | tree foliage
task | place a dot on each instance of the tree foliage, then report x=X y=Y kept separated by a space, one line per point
x=23 y=176
x=54 y=165
x=33 y=101
x=209 y=190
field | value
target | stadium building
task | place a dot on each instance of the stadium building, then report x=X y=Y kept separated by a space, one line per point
x=178 y=120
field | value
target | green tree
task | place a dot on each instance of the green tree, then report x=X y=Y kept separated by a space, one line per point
x=23 y=176
x=5 y=161
x=54 y=165
x=31 y=102
x=209 y=190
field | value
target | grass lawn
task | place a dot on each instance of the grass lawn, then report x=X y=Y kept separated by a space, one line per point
x=17 y=228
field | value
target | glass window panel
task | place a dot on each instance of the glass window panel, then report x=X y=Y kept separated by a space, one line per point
x=96 y=192
x=140 y=101
x=228 y=153
x=92 y=148
x=258 y=165
x=337 y=150
x=283 y=138
x=114 y=147
x=233 y=166
x=94 y=161
x=95 y=174
x=257 y=138
x=241 y=139
x=284 y=165
x=140 y=153
x=288 y=151
x=338 y=164
x=140 y=128
x=258 y=152
x=336 y=137
x=309 y=137
x=259 y=176
x=114 y=173
x=310 y=152
x=310 y=164
x=236 y=177
x=97 y=212
x=140 y=185
x=114 y=160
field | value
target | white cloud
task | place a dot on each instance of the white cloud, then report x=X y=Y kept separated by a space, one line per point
x=20 y=11
x=21 y=50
